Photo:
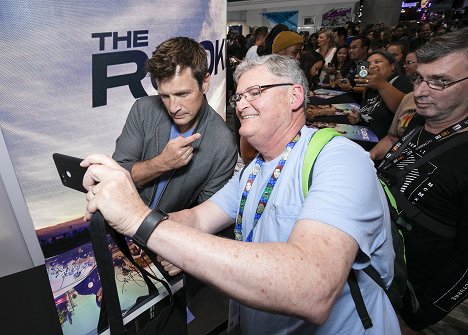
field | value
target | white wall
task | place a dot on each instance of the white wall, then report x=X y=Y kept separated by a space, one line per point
x=248 y=13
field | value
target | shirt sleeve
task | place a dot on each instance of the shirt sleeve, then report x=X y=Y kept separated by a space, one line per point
x=345 y=194
x=129 y=145
x=229 y=195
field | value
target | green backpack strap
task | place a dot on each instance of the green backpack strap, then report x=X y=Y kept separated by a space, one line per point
x=390 y=197
x=316 y=144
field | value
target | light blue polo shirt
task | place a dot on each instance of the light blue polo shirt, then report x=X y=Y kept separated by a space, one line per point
x=346 y=194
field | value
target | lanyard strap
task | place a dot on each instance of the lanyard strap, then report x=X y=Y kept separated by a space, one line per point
x=396 y=153
x=266 y=192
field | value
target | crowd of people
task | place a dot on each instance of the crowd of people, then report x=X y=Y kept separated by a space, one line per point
x=288 y=267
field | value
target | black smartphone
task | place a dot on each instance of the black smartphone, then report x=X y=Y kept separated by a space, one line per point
x=70 y=172
x=362 y=69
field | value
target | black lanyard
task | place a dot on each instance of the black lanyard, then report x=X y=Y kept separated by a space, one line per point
x=396 y=154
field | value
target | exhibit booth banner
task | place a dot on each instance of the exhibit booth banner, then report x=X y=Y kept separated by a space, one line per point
x=71 y=71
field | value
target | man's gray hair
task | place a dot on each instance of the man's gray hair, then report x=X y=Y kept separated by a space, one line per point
x=443 y=45
x=283 y=67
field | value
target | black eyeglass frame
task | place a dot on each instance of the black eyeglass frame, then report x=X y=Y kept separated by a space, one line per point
x=235 y=98
x=415 y=77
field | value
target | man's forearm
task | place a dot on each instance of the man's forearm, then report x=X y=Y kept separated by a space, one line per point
x=146 y=171
x=380 y=149
x=243 y=270
x=392 y=96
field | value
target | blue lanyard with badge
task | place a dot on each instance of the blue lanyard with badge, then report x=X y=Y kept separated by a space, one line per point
x=266 y=192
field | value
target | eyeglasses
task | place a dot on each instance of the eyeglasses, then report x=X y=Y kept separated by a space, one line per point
x=409 y=62
x=252 y=93
x=436 y=84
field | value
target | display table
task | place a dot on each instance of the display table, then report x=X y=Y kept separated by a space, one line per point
x=343 y=104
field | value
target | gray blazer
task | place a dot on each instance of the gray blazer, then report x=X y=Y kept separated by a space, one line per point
x=144 y=136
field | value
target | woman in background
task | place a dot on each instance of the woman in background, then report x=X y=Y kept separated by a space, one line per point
x=312 y=63
x=385 y=89
x=326 y=47
x=398 y=50
x=340 y=64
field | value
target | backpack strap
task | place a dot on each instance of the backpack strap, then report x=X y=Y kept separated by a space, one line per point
x=358 y=300
x=411 y=211
x=316 y=144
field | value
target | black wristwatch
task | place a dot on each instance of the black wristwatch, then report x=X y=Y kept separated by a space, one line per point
x=149 y=224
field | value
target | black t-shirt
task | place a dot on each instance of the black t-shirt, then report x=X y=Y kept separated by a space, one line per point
x=375 y=113
x=437 y=266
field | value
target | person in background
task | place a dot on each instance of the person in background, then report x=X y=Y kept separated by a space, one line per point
x=326 y=47
x=168 y=138
x=411 y=63
x=240 y=43
x=251 y=38
x=339 y=35
x=424 y=35
x=288 y=43
x=370 y=34
x=404 y=113
x=312 y=63
x=287 y=270
x=352 y=32
x=436 y=253
x=340 y=64
x=398 y=51
x=376 y=44
x=357 y=52
x=312 y=42
x=384 y=90
x=260 y=36
x=385 y=36
x=266 y=48
x=397 y=33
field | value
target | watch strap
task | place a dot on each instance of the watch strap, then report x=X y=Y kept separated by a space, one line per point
x=149 y=224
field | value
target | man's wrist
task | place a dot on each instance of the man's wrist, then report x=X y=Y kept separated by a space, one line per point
x=148 y=225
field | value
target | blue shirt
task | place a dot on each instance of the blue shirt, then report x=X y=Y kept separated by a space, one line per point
x=345 y=194
x=164 y=178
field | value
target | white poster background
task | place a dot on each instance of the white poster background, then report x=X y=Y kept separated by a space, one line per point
x=46 y=83
x=46 y=90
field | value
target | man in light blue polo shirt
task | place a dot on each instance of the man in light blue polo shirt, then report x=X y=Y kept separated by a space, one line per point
x=287 y=271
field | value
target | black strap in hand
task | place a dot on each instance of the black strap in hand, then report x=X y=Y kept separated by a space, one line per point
x=110 y=304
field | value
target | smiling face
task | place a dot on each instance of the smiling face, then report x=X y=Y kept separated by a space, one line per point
x=450 y=105
x=183 y=98
x=267 y=115
x=341 y=55
x=380 y=64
